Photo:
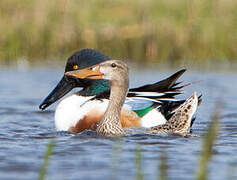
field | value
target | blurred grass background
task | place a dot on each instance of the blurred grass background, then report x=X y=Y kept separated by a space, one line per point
x=142 y=30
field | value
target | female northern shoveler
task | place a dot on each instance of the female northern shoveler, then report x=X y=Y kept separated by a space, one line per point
x=181 y=120
x=152 y=103
x=116 y=72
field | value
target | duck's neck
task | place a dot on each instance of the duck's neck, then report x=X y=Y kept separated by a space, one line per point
x=110 y=125
x=117 y=97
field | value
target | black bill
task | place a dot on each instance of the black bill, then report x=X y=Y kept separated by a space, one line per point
x=63 y=87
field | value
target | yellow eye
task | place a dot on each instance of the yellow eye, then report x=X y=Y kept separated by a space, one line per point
x=75 y=67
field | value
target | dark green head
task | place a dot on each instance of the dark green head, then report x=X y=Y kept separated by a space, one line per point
x=79 y=60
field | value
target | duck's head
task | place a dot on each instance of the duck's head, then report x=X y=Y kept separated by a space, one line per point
x=114 y=71
x=79 y=60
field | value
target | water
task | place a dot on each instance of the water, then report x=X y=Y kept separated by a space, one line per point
x=25 y=133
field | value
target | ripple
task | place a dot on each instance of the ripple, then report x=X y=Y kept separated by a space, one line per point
x=229 y=116
x=26 y=132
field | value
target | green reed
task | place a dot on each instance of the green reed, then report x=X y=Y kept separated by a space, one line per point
x=48 y=154
x=145 y=30
x=208 y=144
x=140 y=174
x=117 y=150
x=163 y=165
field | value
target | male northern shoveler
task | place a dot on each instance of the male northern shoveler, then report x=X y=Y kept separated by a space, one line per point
x=151 y=104
x=116 y=72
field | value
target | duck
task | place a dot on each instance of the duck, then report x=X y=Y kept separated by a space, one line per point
x=182 y=119
x=116 y=73
x=151 y=105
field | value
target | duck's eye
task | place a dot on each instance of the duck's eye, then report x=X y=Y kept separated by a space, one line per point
x=93 y=68
x=75 y=67
x=113 y=65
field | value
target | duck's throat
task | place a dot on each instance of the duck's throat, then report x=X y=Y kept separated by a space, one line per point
x=110 y=125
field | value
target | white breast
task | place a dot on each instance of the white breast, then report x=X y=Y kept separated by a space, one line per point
x=73 y=108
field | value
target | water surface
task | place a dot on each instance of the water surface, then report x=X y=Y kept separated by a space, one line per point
x=25 y=133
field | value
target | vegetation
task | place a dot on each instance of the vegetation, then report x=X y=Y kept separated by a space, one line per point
x=45 y=165
x=144 y=30
x=163 y=165
x=208 y=146
x=139 y=175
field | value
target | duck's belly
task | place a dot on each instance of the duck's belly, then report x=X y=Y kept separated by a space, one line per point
x=77 y=113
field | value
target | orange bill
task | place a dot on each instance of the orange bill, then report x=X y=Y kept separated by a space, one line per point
x=88 y=73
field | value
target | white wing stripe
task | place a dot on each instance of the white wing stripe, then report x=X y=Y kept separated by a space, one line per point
x=148 y=94
x=144 y=98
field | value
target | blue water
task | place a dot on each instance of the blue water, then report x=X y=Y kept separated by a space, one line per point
x=25 y=133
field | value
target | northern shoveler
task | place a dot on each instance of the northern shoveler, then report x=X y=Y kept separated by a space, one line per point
x=116 y=72
x=151 y=105
x=181 y=120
